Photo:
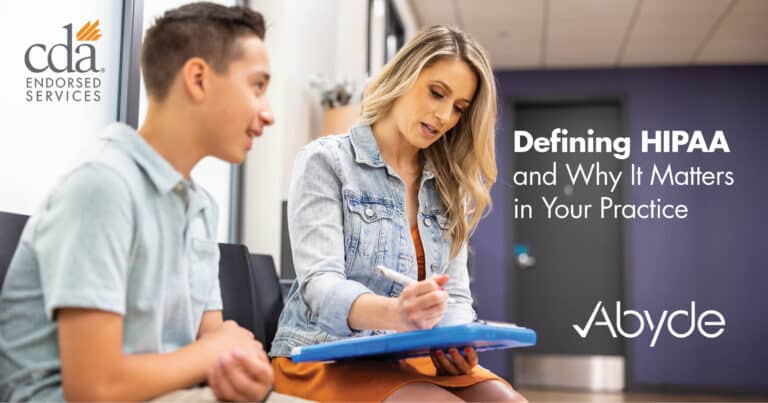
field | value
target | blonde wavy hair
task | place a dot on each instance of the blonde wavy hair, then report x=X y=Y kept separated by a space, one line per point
x=464 y=159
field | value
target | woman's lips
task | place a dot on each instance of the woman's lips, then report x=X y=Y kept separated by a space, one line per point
x=428 y=130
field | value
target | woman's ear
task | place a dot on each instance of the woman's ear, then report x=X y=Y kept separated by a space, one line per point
x=195 y=75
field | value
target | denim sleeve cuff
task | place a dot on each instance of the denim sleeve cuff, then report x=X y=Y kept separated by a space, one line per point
x=334 y=311
x=458 y=314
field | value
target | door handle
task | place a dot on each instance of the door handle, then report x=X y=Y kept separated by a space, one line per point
x=523 y=258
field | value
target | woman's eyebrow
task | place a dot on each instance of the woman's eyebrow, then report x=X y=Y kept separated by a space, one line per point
x=448 y=88
x=444 y=85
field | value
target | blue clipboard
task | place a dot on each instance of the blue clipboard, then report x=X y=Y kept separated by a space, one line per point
x=482 y=336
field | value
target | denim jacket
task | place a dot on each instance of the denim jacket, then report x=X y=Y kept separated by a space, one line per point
x=347 y=214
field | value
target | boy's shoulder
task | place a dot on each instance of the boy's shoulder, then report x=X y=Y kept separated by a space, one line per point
x=111 y=173
x=93 y=178
x=118 y=154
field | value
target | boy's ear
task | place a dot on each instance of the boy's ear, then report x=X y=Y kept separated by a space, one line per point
x=195 y=74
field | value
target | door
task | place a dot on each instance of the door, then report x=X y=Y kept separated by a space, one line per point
x=565 y=266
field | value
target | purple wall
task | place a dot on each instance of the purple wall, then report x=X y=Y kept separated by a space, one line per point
x=717 y=256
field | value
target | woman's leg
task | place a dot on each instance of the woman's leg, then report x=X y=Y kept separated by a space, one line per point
x=422 y=392
x=489 y=391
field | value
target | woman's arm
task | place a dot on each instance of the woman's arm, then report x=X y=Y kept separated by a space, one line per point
x=420 y=306
x=459 y=309
x=315 y=225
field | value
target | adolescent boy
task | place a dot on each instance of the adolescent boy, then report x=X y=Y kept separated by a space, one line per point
x=113 y=291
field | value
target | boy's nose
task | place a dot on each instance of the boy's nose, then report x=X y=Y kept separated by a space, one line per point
x=267 y=118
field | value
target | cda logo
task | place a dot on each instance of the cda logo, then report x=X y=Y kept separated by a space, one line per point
x=65 y=71
x=681 y=329
x=86 y=52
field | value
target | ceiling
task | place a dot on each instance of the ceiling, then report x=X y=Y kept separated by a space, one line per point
x=542 y=34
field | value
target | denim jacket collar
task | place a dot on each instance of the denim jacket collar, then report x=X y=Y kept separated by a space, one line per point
x=367 y=151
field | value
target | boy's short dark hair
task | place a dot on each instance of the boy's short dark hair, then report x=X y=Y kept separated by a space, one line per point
x=204 y=30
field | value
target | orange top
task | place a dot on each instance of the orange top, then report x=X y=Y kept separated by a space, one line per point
x=419 y=251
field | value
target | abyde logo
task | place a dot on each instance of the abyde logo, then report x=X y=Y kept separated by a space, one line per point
x=710 y=323
x=65 y=71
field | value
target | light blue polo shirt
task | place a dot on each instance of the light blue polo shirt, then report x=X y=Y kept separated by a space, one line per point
x=124 y=233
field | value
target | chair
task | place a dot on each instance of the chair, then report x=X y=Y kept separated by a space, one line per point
x=238 y=296
x=268 y=293
x=11 y=226
x=285 y=287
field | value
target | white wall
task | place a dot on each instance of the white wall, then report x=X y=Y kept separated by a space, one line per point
x=41 y=141
x=303 y=38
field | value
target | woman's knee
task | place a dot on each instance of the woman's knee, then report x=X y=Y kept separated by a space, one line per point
x=491 y=391
x=422 y=391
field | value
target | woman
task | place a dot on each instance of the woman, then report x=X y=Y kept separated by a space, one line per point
x=404 y=189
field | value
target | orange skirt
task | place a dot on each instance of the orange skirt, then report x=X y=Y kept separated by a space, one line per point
x=364 y=380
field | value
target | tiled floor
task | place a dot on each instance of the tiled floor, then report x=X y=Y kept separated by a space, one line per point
x=549 y=395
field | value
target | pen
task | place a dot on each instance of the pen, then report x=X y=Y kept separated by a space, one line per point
x=395 y=276
x=399 y=278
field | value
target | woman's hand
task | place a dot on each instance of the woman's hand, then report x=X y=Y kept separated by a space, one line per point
x=421 y=305
x=454 y=363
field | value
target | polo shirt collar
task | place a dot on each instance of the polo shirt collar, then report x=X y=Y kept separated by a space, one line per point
x=159 y=171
